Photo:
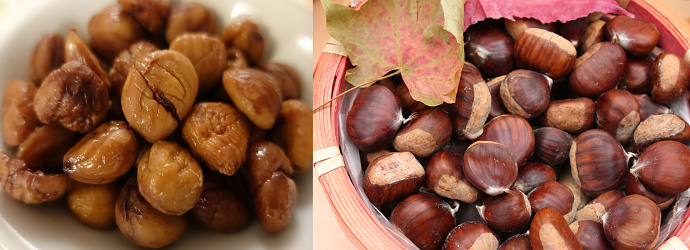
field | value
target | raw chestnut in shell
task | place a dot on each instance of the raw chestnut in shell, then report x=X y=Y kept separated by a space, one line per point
x=597 y=207
x=649 y=107
x=633 y=185
x=392 y=177
x=532 y=175
x=636 y=78
x=590 y=234
x=519 y=25
x=551 y=145
x=534 y=43
x=632 y=223
x=598 y=162
x=636 y=36
x=374 y=118
x=571 y=115
x=427 y=132
x=444 y=176
x=526 y=93
x=517 y=242
x=664 y=167
x=490 y=167
x=670 y=78
x=551 y=194
x=598 y=70
x=618 y=113
x=424 y=219
x=508 y=212
x=549 y=230
x=490 y=49
x=512 y=131
x=659 y=128
x=472 y=104
x=471 y=235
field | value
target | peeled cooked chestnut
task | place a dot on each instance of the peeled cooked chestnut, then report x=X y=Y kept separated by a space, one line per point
x=424 y=219
x=664 y=167
x=572 y=115
x=549 y=230
x=590 y=234
x=519 y=25
x=49 y=54
x=427 y=132
x=593 y=35
x=526 y=93
x=632 y=223
x=649 y=107
x=551 y=194
x=444 y=176
x=637 y=37
x=551 y=145
x=597 y=207
x=113 y=30
x=661 y=127
x=497 y=107
x=533 y=44
x=574 y=30
x=636 y=78
x=508 y=212
x=472 y=104
x=599 y=69
x=490 y=49
x=490 y=167
x=374 y=118
x=517 y=242
x=532 y=175
x=598 y=162
x=512 y=131
x=392 y=177
x=471 y=235
x=18 y=116
x=618 y=113
x=633 y=185
x=670 y=78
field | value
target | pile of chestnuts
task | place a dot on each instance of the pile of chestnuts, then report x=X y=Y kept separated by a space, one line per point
x=559 y=138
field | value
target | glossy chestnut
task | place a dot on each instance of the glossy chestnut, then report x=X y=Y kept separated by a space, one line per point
x=618 y=113
x=424 y=219
x=636 y=36
x=594 y=175
x=551 y=145
x=549 y=230
x=571 y=115
x=490 y=167
x=512 y=131
x=632 y=223
x=597 y=207
x=471 y=235
x=374 y=118
x=670 y=78
x=664 y=167
x=533 y=43
x=445 y=177
x=661 y=127
x=526 y=93
x=551 y=194
x=508 y=212
x=392 y=177
x=425 y=133
x=599 y=69
x=490 y=49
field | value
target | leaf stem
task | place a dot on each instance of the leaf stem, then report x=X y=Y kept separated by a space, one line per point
x=355 y=87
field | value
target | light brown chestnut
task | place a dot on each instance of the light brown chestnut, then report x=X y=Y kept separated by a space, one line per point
x=490 y=49
x=599 y=69
x=472 y=104
x=374 y=118
x=508 y=212
x=632 y=223
x=49 y=54
x=113 y=30
x=93 y=204
x=77 y=49
x=516 y=242
x=471 y=235
x=293 y=133
x=649 y=107
x=244 y=35
x=490 y=167
x=207 y=54
x=519 y=25
x=423 y=218
x=125 y=61
x=526 y=93
x=593 y=35
x=590 y=234
x=44 y=148
x=255 y=93
x=597 y=207
x=512 y=131
x=571 y=115
x=551 y=194
x=189 y=17
x=551 y=145
x=497 y=107
x=670 y=78
x=392 y=177
x=291 y=83
x=531 y=175
x=594 y=175
x=444 y=176
x=618 y=113
x=633 y=185
x=637 y=76
x=533 y=43
x=151 y=14
x=664 y=167
x=549 y=230
x=661 y=127
x=18 y=116
x=425 y=133
x=29 y=185
x=637 y=37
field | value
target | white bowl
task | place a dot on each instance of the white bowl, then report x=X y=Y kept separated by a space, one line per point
x=288 y=28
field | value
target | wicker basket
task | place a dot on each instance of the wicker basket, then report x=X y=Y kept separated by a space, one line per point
x=358 y=223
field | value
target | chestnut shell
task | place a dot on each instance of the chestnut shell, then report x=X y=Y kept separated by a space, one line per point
x=374 y=118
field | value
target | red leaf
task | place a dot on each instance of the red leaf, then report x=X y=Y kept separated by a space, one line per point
x=546 y=11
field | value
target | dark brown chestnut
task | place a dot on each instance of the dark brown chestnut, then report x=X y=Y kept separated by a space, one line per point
x=599 y=69
x=571 y=115
x=526 y=93
x=374 y=118
x=598 y=162
x=551 y=145
x=490 y=49
x=497 y=107
x=471 y=235
x=490 y=167
x=531 y=175
x=636 y=78
x=618 y=113
x=597 y=207
x=424 y=219
x=636 y=36
x=516 y=242
x=670 y=78
x=392 y=177
x=551 y=194
x=661 y=127
x=649 y=107
x=512 y=131
x=549 y=230
x=633 y=185
x=574 y=30
x=533 y=44
x=590 y=234
x=519 y=25
x=664 y=167
x=593 y=35
x=425 y=133
x=472 y=104
x=632 y=223
x=406 y=100
x=508 y=212
x=444 y=176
